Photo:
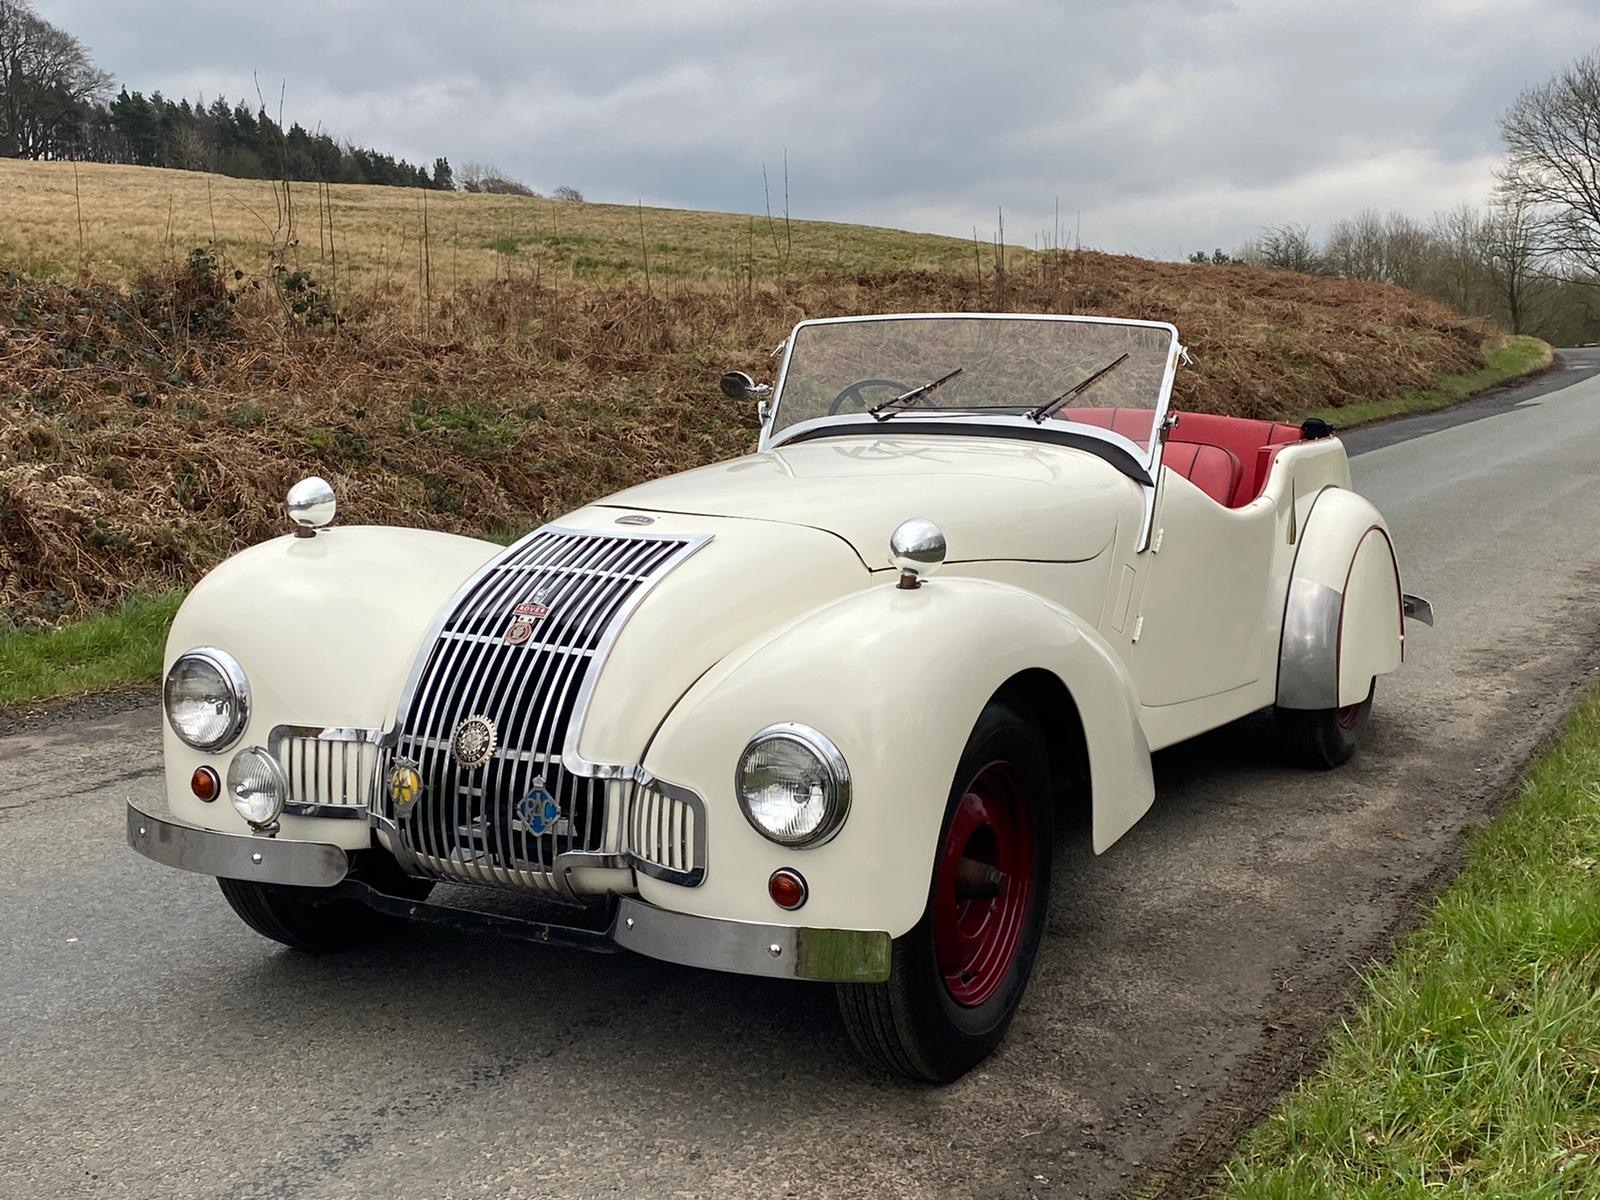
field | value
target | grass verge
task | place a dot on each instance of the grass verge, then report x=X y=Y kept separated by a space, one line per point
x=1507 y=357
x=101 y=654
x=1472 y=1066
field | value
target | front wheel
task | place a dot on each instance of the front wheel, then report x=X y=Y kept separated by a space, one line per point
x=301 y=919
x=1323 y=738
x=957 y=978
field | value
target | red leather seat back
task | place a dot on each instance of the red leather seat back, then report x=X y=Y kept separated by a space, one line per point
x=1212 y=469
x=1241 y=437
x=1227 y=458
x=1135 y=424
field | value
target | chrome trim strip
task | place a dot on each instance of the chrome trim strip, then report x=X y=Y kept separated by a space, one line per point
x=1416 y=608
x=1308 y=662
x=748 y=948
x=175 y=843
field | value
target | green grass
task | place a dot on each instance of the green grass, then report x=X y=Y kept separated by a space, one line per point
x=1506 y=358
x=102 y=654
x=1472 y=1066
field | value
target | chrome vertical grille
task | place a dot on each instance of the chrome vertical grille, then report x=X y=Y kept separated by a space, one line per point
x=665 y=833
x=330 y=770
x=520 y=648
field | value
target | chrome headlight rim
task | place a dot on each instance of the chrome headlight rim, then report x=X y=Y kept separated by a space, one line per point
x=828 y=755
x=233 y=676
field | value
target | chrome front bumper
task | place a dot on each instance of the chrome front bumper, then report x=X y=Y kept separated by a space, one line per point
x=742 y=947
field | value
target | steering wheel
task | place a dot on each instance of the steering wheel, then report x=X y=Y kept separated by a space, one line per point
x=853 y=392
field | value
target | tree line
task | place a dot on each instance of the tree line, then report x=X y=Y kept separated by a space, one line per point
x=1529 y=259
x=55 y=103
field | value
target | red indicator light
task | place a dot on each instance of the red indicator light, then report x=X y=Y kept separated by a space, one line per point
x=787 y=888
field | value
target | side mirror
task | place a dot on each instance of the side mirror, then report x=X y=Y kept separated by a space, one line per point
x=736 y=385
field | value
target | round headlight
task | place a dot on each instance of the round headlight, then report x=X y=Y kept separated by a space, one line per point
x=257 y=786
x=793 y=785
x=207 y=699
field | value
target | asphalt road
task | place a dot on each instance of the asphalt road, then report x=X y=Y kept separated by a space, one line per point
x=152 y=1046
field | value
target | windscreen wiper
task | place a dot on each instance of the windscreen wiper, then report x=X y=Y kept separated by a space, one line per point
x=1044 y=410
x=888 y=407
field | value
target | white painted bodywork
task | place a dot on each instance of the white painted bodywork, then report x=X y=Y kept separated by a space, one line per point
x=1161 y=611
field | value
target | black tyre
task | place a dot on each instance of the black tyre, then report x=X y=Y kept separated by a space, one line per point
x=301 y=919
x=1323 y=738
x=957 y=978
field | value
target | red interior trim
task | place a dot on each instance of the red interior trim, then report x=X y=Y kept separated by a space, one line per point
x=1227 y=458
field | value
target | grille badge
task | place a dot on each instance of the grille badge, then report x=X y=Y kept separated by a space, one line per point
x=538 y=810
x=473 y=742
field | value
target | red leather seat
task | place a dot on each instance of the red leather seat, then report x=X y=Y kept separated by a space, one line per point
x=1213 y=470
x=1227 y=458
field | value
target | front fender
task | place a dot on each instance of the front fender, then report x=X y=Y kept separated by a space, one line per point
x=326 y=629
x=897 y=679
x=1343 y=622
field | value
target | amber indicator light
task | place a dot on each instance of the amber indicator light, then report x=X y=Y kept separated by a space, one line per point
x=205 y=784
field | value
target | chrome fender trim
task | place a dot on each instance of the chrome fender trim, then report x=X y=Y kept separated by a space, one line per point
x=234 y=855
x=1308 y=663
x=748 y=948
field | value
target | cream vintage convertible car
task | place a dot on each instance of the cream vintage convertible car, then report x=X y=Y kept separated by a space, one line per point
x=811 y=713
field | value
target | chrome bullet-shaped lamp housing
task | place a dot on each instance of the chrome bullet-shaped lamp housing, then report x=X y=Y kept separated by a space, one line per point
x=311 y=505
x=916 y=550
x=258 y=788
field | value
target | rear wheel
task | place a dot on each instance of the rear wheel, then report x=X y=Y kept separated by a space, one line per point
x=301 y=918
x=1323 y=738
x=957 y=978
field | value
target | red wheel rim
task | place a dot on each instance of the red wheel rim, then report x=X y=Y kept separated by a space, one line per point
x=984 y=885
x=1347 y=715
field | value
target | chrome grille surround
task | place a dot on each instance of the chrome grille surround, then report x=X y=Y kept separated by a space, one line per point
x=484 y=825
x=332 y=770
x=664 y=835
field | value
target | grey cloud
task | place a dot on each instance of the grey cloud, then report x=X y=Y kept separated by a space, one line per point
x=1169 y=123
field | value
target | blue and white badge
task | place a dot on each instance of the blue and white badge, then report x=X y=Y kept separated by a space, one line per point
x=538 y=810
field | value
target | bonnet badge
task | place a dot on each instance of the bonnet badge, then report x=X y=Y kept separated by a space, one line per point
x=473 y=742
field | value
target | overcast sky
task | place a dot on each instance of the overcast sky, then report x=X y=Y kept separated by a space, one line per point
x=1168 y=124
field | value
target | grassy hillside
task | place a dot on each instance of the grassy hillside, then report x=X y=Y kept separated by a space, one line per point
x=154 y=409
x=135 y=217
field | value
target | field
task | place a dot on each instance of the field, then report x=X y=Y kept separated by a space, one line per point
x=133 y=217
x=155 y=406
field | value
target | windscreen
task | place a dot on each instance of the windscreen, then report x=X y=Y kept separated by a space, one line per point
x=1006 y=365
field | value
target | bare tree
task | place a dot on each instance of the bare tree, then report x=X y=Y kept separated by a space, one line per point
x=1552 y=137
x=1509 y=247
x=1458 y=242
x=1356 y=247
x=1288 y=247
x=46 y=80
x=567 y=194
x=484 y=177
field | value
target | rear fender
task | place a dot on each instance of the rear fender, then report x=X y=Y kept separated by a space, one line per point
x=896 y=678
x=1342 y=621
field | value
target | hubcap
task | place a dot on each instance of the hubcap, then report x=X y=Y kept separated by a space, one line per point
x=984 y=885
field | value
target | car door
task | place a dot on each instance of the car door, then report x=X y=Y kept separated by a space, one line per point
x=1203 y=616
